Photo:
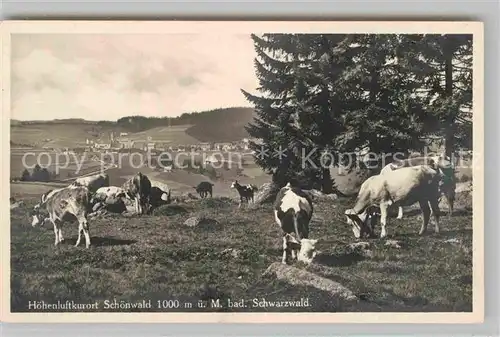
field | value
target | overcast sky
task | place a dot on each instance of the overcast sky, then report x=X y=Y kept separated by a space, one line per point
x=99 y=77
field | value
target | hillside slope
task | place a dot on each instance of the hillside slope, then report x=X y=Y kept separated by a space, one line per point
x=217 y=125
x=223 y=125
x=56 y=134
x=175 y=135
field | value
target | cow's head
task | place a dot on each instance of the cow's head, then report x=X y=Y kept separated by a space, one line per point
x=358 y=223
x=372 y=217
x=307 y=250
x=37 y=217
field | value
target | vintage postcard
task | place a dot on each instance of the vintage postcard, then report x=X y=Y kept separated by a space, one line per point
x=242 y=171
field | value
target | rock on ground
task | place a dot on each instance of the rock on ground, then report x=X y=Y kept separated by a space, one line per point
x=315 y=194
x=199 y=221
x=296 y=276
x=235 y=253
x=359 y=245
x=266 y=194
x=393 y=243
x=268 y=191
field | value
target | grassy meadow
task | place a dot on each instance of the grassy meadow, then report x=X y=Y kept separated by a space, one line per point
x=157 y=257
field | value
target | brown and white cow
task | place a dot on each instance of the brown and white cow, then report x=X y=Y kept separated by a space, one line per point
x=246 y=192
x=94 y=182
x=293 y=210
x=64 y=205
x=402 y=187
x=448 y=184
x=138 y=188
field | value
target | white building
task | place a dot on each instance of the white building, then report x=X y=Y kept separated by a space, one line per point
x=104 y=146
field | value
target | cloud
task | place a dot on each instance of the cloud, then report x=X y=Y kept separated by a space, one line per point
x=110 y=76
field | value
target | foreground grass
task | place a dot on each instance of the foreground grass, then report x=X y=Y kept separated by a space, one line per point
x=157 y=257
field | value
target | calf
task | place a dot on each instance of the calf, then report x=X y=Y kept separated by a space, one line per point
x=293 y=210
x=93 y=183
x=448 y=184
x=402 y=187
x=138 y=188
x=64 y=205
x=204 y=189
x=246 y=192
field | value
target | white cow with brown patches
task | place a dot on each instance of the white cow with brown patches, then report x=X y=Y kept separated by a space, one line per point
x=293 y=210
x=64 y=205
x=402 y=187
x=110 y=195
x=447 y=186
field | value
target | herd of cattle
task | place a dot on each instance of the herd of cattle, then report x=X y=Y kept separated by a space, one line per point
x=88 y=195
x=421 y=180
x=402 y=183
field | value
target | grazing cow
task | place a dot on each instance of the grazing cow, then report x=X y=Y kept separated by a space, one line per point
x=246 y=192
x=204 y=189
x=64 y=205
x=160 y=193
x=293 y=210
x=402 y=187
x=447 y=186
x=138 y=188
x=93 y=183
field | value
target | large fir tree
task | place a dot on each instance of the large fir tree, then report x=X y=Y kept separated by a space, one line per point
x=389 y=93
x=297 y=114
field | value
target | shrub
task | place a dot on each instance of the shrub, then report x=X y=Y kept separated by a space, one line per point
x=169 y=210
x=222 y=202
x=25 y=175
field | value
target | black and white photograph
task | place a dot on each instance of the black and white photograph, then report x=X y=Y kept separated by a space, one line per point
x=228 y=168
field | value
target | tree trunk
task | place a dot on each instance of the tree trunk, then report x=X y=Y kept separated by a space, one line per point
x=449 y=135
x=326 y=183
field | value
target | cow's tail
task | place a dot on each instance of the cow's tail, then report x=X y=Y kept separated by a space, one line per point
x=296 y=225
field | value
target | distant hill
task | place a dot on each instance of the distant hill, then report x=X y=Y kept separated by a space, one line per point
x=217 y=125
x=175 y=135
x=223 y=125
x=57 y=134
